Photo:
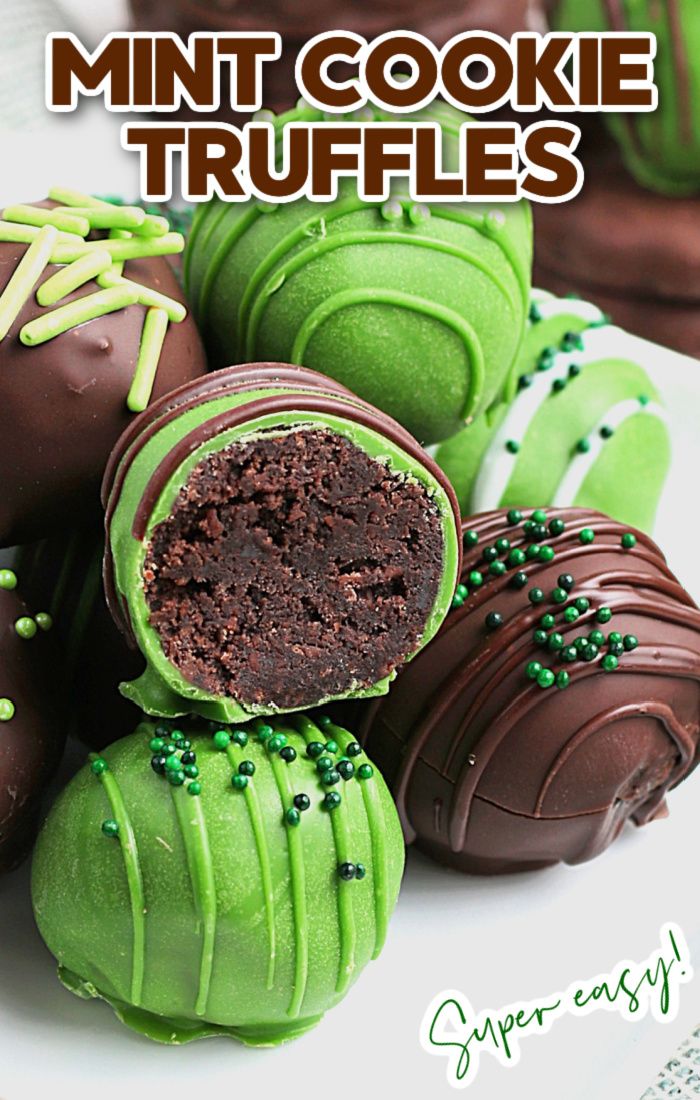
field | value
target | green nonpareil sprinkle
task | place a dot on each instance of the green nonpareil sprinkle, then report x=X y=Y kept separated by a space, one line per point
x=153 y=298
x=38 y=216
x=154 y=331
x=26 y=275
x=75 y=275
x=76 y=313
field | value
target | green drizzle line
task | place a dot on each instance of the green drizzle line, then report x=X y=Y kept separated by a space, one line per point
x=380 y=863
x=193 y=828
x=134 y=878
x=297 y=875
x=343 y=851
x=220 y=256
x=256 y=820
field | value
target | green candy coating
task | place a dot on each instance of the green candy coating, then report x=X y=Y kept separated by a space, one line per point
x=262 y=935
x=424 y=318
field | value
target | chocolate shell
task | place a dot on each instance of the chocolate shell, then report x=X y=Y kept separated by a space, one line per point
x=274 y=543
x=32 y=734
x=514 y=742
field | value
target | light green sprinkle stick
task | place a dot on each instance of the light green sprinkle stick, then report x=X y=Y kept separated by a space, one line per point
x=25 y=277
x=153 y=298
x=154 y=329
x=37 y=215
x=13 y=233
x=76 y=313
x=75 y=275
x=107 y=217
x=152 y=226
x=119 y=235
x=136 y=248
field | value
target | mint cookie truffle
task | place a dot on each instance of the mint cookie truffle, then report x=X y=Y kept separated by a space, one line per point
x=274 y=543
x=92 y=329
x=558 y=702
x=418 y=310
x=225 y=882
x=660 y=148
x=32 y=735
x=583 y=424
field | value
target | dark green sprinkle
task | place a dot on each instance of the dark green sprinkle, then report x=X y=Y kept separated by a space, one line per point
x=457 y=601
x=176 y=779
x=189 y=757
x=539 y=532
x=562 y=680
x=470 y=538
x=533 y=551
x=331 y=801
x=302 y=802
x=525 y=381
x=581 y=603
x=502 y=545
x=240 y=737
x=276 y=743
x=560 y=595
x=512 y=446
x=462 y=591
x=158 y=764
x=330 y=777
x=535 y=314
x=547 y=621
x=99 y=766
x=606 y=432
x=490 y=554
x=574 y=370
x=587 y=535
x=194 y=789
x=324 y=763
x=177 y=736
x=569 y=654
x=614 y=636
x=476 y=579
x=529 y=527
x=609 y=662
x=265 y=733
x=169 y=749
x=540 y=637
x=110 y=827
x=519 y=580
x=191 y=771
x=572 y=341
x=580 y=644
x=630 y=642
x=517 y=557
x=616 y=648
x=324 y=720
x=315 y=749
x=365 y=771
x=589 y=652
x=346 y=769
x=156 y=744
x=545 y=678
x=347 y=871
x=558 y=385
x=185 y=745
x=566 y=581
x=514 y=517
x=292 y=816
x=222 y=740
x=288 y=754
x=535 y=595
x=603 y=615
x=354 y=748
x=246 y=767
x=360 y=870
x=497 y=568
x=557 y=527
x=597 y=637
x=172 y=763
x=583 y=446
x=533 y=669
x=240 y=782
x=571 y=615
x=546 y=553
x=628 y=540
x=539 y=515
x=555 y=642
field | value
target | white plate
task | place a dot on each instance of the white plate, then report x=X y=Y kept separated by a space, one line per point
x=498 y=940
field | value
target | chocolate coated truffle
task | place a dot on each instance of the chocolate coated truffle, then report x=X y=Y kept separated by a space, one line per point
x=220 y=883
x=70 y=381
x=274 y=543
x=418 y=310
x=560 y=700
x=31 y=732
x=583 y=425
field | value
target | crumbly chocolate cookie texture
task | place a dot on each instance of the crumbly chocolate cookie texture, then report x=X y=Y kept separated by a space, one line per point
x=274 y=543
x=559 y=701
x=93 y=327
x=230 y=881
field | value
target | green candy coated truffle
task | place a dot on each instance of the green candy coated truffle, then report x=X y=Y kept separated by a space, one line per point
x=606 y=401
x=218 y=914
x=660 y=148
x=418 y=310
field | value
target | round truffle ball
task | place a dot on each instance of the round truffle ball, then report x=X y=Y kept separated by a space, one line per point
x=560 y=700
x=661 y=148
x=583 y=424
x=419 y=310
x=32 y=735
x=274 y=543
x=232 y=882
x=64 y=401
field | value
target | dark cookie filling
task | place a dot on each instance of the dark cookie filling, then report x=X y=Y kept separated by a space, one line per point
x=293 y=568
